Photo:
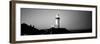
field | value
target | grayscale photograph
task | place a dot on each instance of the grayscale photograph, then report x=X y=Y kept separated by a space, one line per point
x=38 y=21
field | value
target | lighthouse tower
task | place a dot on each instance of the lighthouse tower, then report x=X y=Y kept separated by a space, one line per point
x=57 y=21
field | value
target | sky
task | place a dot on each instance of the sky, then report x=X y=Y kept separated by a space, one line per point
x=46 y=18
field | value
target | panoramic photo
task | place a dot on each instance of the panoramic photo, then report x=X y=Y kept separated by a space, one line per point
x=37 y=21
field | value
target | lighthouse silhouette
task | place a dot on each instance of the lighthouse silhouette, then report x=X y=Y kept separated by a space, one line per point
x=57 y=21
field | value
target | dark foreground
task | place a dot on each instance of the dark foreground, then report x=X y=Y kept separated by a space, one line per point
x=31 y=30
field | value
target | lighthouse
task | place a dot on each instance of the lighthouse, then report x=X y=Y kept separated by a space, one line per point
x=57 y=21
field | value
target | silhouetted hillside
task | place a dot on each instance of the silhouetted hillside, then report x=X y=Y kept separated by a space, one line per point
x=28 y=30
x=31 y=30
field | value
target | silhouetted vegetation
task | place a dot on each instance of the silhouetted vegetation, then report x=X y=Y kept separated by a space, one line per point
x=31 y=30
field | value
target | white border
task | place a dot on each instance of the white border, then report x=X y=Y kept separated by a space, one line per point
x=40 y=37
